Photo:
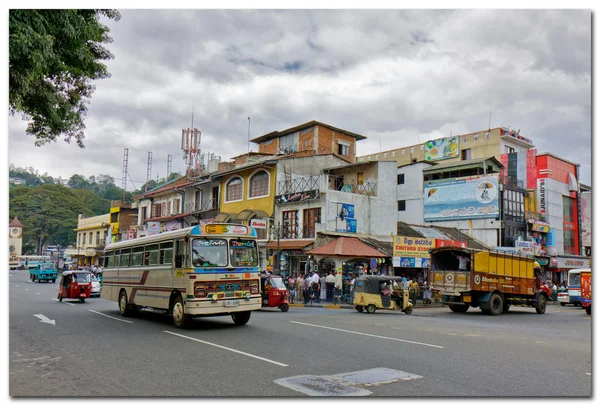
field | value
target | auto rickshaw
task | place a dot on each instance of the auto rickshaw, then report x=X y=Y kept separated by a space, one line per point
x=381 y=292
x=75 y=284
x=274 y=293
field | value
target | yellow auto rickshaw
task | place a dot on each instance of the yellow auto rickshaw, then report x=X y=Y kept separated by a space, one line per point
x=381 y=292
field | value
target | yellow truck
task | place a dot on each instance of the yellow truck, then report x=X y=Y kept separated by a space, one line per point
x=490 y=280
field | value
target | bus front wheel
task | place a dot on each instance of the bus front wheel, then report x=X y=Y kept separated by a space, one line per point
x=241 y=318
x=124 y=308
x=180 y=318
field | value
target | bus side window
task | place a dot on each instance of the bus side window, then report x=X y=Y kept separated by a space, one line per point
x=179 y=254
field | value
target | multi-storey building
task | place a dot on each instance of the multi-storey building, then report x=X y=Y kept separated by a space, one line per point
x=92 y=233
x=122 y=221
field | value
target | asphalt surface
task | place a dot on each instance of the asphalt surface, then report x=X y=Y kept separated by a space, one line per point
x=92 y=351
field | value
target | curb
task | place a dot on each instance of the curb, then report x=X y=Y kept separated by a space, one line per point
x=347 y=306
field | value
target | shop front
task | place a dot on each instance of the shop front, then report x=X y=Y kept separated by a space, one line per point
x=560 y=265
x=292 y=258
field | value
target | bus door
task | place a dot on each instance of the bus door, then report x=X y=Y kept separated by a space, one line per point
x=177 y=269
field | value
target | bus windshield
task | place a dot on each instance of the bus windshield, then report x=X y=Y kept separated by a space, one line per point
x=574 y=279
x=209 y=252
x=243 y=253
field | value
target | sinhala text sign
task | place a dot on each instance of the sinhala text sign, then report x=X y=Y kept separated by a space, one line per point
x=461 y=199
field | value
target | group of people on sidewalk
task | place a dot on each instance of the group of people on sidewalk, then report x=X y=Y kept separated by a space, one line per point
x=315 y=288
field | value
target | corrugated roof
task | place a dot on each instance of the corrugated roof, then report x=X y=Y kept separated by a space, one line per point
x=277 y=134
x=343 y=246
x=165 y=187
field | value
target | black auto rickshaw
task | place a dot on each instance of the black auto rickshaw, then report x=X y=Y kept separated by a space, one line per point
x=75 y=284
x=381 y=292
x=273 y=291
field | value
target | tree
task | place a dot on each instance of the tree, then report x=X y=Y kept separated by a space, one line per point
x=45 y=211
x=54 y=55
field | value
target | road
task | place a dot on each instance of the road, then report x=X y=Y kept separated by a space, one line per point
x=91 y=350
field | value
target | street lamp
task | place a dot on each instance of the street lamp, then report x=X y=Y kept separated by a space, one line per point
x=275 y=231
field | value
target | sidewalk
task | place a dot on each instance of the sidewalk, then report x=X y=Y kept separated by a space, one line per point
x=329 y=305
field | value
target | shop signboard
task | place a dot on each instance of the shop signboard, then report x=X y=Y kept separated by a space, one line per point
x=539 y=226
x=416 y=262
x=572 y=262
x=131 y=234
x=297 y=197
x=541 y=189
x=471 y=198
x=172 y=225
x=525 y=247
x=443 y=148
x=153 y=228
x=258 y=223
x=405 y=246
x=449 y=242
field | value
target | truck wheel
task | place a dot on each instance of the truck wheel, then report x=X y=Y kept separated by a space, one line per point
x=496 y=304
x=359 y=308
x=588 y=310
x=458 y=308
x=241 y=318
x=540 y=304
x=180 y=318
x=371 y=308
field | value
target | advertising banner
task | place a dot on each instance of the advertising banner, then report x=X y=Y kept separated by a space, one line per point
x=541 y=190
x=347 y=225
x=297 y=197
x=172 y=225
x=347 y=211
x=525 y=247
x=417 y=262
x=586 y=219
x=258 y=223
x=444 y=148
x=461 y=199
x=153 y=228
x=405 y=246
x=449 y=242
x=539 y=226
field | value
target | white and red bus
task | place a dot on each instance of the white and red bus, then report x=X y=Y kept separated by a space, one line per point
x=209 y=269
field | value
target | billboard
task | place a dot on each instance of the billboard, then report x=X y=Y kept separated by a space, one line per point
x=472 y=198
x=444 y=148
x=586 y=219
x=405 y=246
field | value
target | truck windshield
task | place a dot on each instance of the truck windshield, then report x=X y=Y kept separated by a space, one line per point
x=47 y=266
x=209 y=253
x=243 y=253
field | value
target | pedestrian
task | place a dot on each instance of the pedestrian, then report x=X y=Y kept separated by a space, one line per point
x=426 y=294
x=291 y=283
x=338 y=286
x=330 y=283
x=300 y=288
x=352 y=279
x=307 y=290
x=314 y=285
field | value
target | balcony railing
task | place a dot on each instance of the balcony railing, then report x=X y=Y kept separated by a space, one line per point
x=339 y=183
x=300 y=184
x=206 y=205
x=296 y=232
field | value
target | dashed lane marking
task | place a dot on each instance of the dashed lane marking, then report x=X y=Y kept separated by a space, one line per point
x=227 y=348
x=368 y=334
x=108 y=316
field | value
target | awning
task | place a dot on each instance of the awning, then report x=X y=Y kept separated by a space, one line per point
x=249 y=213
x=288 y=244
x=344 y=246
x=223 y=217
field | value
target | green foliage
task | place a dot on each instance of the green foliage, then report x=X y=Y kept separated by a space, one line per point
x=45 y=212
x=96 y=204
x=54 y=55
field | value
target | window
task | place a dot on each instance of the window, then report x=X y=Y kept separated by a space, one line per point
x=393 y=153
x=97 y=237
x=151 y=255
x=136 y=256
x=569 y=242
x=376 y=156
x=144 y=213
x=311 y=218
x=108 y=259
x=233 y=191
x=243 y=253
x=179 y=254
x=163 y=209
x=476 y=137
x=289 y=224
x=259 y=184
x=198 y=200
x=466 y=154
x=465 y=139
x=360 y=178
x=289 y=143
x=344 y=150
x=124 y=258
x=91 y=234
x=510 y=149
x=385 y=155
x=400 y=178
x=166 y=252
x=209 y=252
x=114 y=217
x=402 y=205
x=568 y=208
x=402 y=151
x=176 y=205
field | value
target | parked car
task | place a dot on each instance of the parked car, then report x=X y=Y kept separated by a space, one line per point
x=563 y=297
x=96 y=287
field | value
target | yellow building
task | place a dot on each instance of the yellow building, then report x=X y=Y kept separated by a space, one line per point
x=248 y=192
x=90 y=243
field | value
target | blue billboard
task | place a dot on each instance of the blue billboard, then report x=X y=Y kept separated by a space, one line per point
x=471 y=198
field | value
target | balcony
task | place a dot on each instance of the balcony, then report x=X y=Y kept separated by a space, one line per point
x=310 y=187
x=299 y=185
x=207 y=205
x=296 y=232
x=339 y=183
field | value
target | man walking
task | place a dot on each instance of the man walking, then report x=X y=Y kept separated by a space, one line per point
x=314 y=285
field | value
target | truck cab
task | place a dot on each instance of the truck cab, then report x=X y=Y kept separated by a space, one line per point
x=44 y=271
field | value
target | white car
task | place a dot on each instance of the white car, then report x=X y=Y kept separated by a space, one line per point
x=96 y=287
x=563 y=297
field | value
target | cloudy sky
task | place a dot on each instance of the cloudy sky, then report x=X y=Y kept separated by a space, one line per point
x=385 y=74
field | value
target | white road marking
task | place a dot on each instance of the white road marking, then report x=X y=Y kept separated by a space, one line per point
x=45 y=319
x=38 y=293
x=227 y=348
x=588 y=373
x=27 y=289
x=108 y=316
x=368 y=334
x=68 y=303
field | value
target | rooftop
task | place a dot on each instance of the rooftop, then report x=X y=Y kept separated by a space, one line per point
x=277 y=134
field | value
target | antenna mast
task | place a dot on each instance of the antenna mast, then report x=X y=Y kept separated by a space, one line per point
x=149 y=172
x=190 y=146
x=124 y=173
x=248 y=135
x=169 y=163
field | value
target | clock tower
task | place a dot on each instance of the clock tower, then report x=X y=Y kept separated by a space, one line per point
x=15 y=237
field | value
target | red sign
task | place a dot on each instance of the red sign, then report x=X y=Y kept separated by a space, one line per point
x=449 y=242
